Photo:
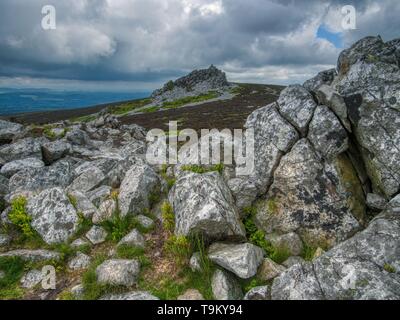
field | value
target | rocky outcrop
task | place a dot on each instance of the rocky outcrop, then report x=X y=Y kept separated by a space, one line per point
x=203 y=205
x=364 y=267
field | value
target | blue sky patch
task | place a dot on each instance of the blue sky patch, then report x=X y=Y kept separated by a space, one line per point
x=334 y=38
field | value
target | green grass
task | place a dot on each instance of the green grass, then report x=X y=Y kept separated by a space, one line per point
x=236 y=90
x=84 y=225
x=128 y=107
x=85 y=119
x=389 y=268
x=13 y=268
x=199 y=169
x=188 y=100
x=118 y=227
x=129 y=252
x=168 y=217
x=179 y=248
x=20 y=219
x=151 y=109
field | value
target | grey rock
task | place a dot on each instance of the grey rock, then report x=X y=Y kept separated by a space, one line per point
x=88 y=180
x=36 y=180
x=145 y=222
x=8 y=130
x=79 y=262
x=11 y=168
x=290 y=242
x=78 y=137
x=242 y=259
x=328 y=96
x=4 y=240
x=105 y=212
x=55 y=150
x=355 y=269
x=53 y=216
x=291 y=261
x=79 y=243
x=96 y=235
x=24 y=148
x=326 y=133
x=191 y=294
x=225 y=286
x=135 y=295
x=82 y=204
x=195 y=262
x=31 y=279
x=297 y=105
x=259 y=293
x=376 y=202
x=97 y=196
x=118 y=272
x=303 y=199
x=139 y=183
x=134 y=239
x=269 y=270
x=32 y=255
x=203 y=205
x=323 y=78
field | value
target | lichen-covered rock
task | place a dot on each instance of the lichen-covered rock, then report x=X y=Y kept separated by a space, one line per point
x=133 y=239
x=97 y=196
x=88 y=180
x=53 y=216
x=303 y=199
x=225 y=286
x=328 y=96
x=290 y=242
x=8 y=130
x=118 y=272
x=364 y=267
x=326 y=133
x=36 y=180
x=105 y=212
x=82 y=204
x=140 y=182
x=31 y=279
x=96 y=235
x=203 y=205
x=259 y=293
x=269 y=270
x=145 y=222
x=242 y=259
x=11 y=168
x=135 y=295
x=79 y=262
x=55 y=150
x=376 y=202
x=78 y=137
x=32 y=255
x=24 y=148
x=323 y=78
x=297 y=105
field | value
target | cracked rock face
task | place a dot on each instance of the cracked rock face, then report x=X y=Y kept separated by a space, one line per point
x=303 y=199
x=203 y=205
x=365 y=267
x=297 y=105
x=53 y=216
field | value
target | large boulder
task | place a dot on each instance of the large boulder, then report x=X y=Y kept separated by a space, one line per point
x=88 y=180
x=323 y=78
x=203 y=205
x=11 y=168
x=36 y=180
x=24 y=148
x=55 y=150
x=304 y=199
x=53 y=216
x=297 y=105
x=365 y=267
x=241 y=259
x=8 y=130
x=225 y=286
x=140 y=182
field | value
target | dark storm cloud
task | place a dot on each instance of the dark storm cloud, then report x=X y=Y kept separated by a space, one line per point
x=155 y=40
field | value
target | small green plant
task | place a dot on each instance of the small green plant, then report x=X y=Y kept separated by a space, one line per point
x=170 y=180
x=389 y=268
x=179 y=247
x=20 y=218
x=92 y=289
x=199 y=169
x=84 y=225
x=168 y=216
x=130 y=252
x=154 y=198
x=308 y=252
x=13 y=268
x=73 y=200
x=49 y=133
x=118 y=227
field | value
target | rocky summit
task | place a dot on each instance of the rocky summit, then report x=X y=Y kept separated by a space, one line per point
x=318 y=217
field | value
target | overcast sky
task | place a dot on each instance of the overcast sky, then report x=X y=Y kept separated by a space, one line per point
x=139 y=44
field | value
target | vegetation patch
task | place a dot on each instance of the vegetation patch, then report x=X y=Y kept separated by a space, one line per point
x=13 y=269
x=389 y=268
x=19 y=218
x=200 y=169
x=130 y=106
x=189 y=100
x=168 y=217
